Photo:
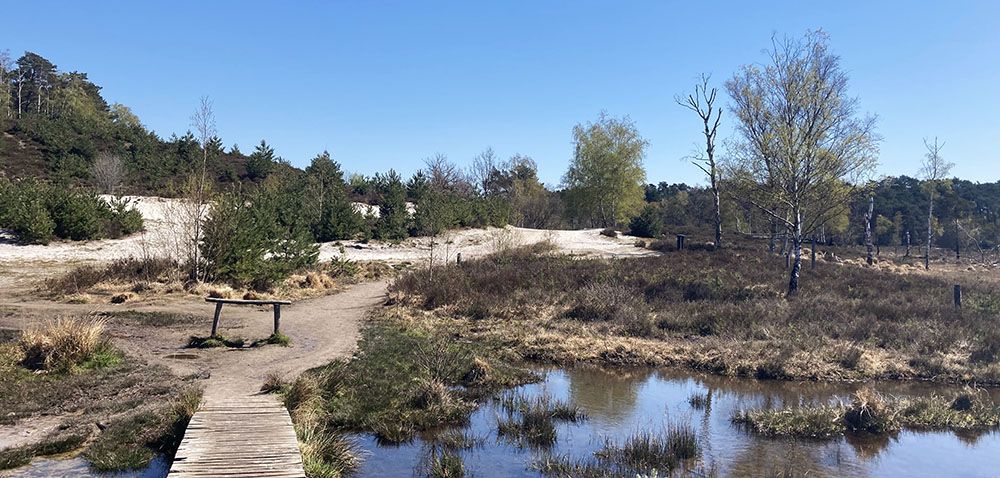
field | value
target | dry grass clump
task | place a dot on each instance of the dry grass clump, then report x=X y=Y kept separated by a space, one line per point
x=811 y=422
x=873 y=413
x=62 y=343
x=129 y=270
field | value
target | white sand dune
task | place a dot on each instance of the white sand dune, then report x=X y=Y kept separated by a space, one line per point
x=164 y=235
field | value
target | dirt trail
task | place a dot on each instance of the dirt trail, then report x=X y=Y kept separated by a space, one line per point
x=321 y=329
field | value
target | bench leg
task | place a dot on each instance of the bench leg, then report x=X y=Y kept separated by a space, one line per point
x=215 y=320
x=277 y=317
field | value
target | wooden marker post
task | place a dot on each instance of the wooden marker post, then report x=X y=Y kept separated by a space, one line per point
x=958 y=296
x=215 y=319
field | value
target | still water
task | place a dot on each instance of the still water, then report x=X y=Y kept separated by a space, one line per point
x=619 y=403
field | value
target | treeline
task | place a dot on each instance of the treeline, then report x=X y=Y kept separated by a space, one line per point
x=966 y=214
x=37 y=213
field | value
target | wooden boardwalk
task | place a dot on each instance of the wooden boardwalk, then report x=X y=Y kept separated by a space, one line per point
x=239 y=436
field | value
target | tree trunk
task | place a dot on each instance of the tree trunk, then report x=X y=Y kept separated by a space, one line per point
x=20 y=96
x=718 y=210
x=930 y=232
x=774 y=234
x=868 y=229
x=793 y=278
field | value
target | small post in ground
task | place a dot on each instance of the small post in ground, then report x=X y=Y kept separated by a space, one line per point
x=812 y=253
x=459 y=259
x=277 y=317
x=958 y=296
x=215 y=319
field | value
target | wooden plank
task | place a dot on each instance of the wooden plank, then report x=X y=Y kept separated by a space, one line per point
x=247 y=301
x=248 y=436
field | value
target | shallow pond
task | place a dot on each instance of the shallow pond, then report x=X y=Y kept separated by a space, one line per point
x=619 y=403
x=78 y=467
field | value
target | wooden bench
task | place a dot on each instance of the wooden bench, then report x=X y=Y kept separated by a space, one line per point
x=219 y=302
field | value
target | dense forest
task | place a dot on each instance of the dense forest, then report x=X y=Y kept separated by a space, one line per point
x=55 y=127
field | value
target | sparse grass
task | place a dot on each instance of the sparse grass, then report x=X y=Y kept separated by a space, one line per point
x=215 y=341
x=700 y=400
x=401 y=381
x=530 y=421
x=719 y=311
x=273 y=382
x=446 y=464
x=455 y=440
x=643 y=453
x=276 y=338
x=871 y=412
x=153 y=319
x=142 y=410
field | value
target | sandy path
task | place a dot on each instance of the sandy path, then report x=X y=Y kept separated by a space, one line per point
x=321 y=330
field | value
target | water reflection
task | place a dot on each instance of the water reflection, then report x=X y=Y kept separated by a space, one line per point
x=621 y=402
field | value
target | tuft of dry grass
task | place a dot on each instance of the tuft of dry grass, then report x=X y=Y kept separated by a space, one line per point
x=61 y=344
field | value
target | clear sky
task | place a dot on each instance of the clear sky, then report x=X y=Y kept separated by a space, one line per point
x=384 y=84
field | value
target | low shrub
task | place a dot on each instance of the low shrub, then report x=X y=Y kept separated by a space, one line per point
x=649 y=223
x=609 y=232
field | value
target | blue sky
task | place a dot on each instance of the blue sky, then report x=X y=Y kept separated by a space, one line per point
x=384 y=84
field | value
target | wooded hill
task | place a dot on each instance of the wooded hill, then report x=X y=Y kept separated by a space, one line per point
x=54 y=125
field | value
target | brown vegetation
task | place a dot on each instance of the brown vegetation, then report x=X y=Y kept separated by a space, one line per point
x=128 y=279
x=720 y=311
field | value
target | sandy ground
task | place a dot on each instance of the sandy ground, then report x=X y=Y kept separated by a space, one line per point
x=164 y=237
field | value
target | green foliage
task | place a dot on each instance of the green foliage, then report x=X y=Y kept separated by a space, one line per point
x=649 y=223
x=23 y=210
x=393 y=216
x=335 y=218
x=261 y=162
x=255 y=239
x=77 y=215
x=124 y=218
x=37 y=213
x=604 y=183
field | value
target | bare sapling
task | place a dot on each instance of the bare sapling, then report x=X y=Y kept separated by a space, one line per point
x=933 y=170
x=702 y=102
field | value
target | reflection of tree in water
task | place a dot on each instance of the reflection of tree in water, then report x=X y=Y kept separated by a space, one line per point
x=793 y=458
x=868 y=446
x=606 y=394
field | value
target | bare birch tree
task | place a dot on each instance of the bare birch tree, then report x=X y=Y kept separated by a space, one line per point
x=802 y=145
x=6 y=69
x=203 y=121
x=108 y=172
x=868 y=229
x=702 y=102
x=933 y=170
